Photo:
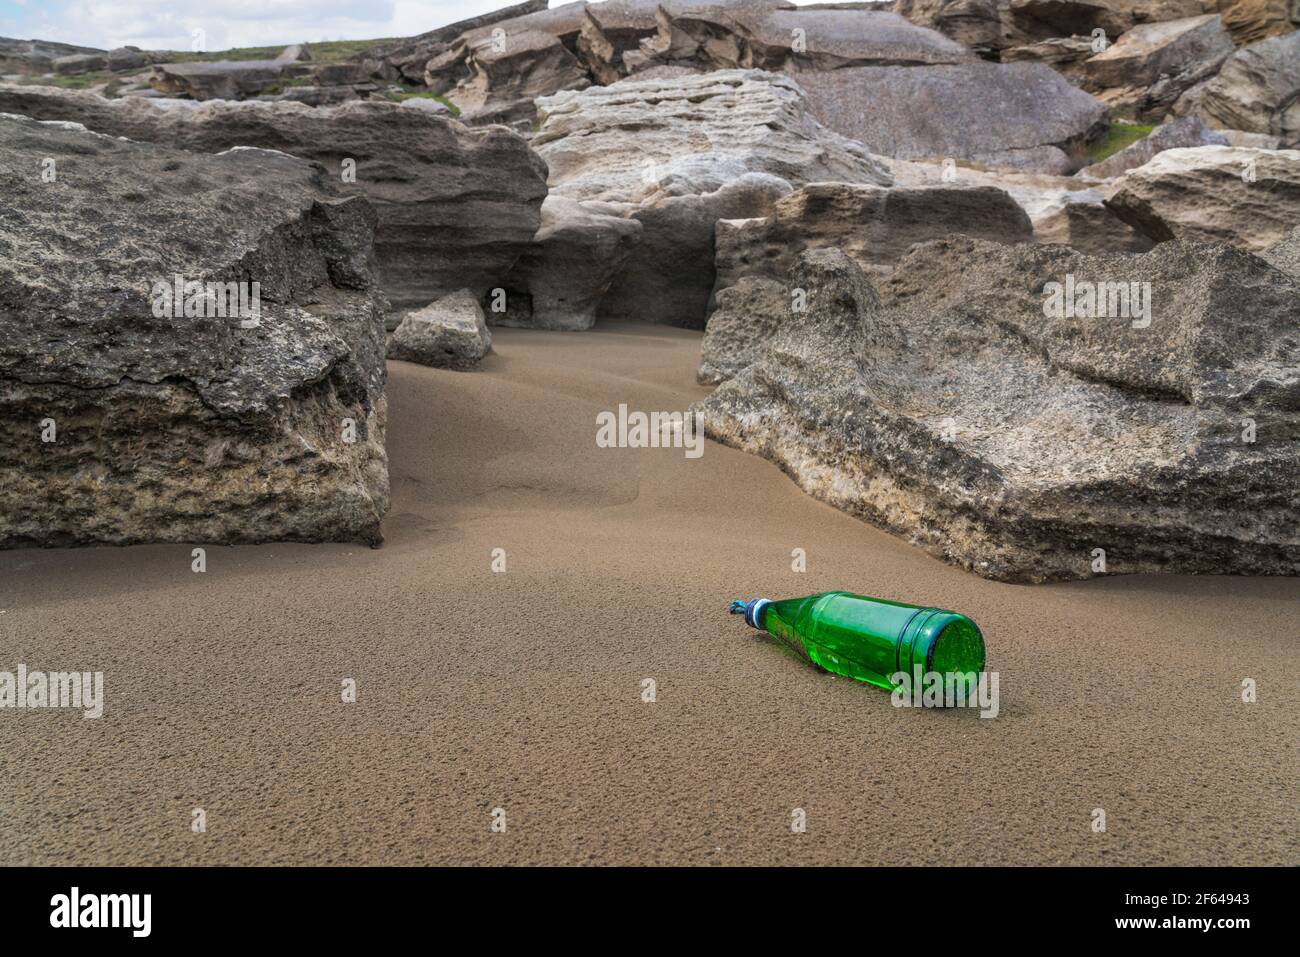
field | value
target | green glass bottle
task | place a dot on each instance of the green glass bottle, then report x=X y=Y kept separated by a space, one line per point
x=869 y=639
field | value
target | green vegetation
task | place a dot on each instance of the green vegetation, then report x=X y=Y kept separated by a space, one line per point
x=81 y=81
x=329 y=51
x=423 y=94
x=1117 y=137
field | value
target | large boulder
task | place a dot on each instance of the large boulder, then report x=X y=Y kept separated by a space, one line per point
x=1054 y=18
x=1184 y=132
x=1252 y=20
x=448 y=334
x=78 y=63
x=961 y=410
x=216 y=80
x=507 y=72
x=1258 y=90
x=1175 y=54
x=456 y=206
x=677 y=155
x=1247 y=197
x=131 y=414
x=1017 y=115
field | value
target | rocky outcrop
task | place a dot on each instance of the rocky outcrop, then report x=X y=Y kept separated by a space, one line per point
x=222 y=79
x=406 y=59
x=678 y=154
x=1252 y=20
x=1182 y=133
x=456 y=206
x=959 y=409
x=29 y=57
x=1153 y=64
x=1019 y=115
x=874 y=226
x=560 y=280
x=1258 y=90
x=976 y=24
x=1084 y=223
x=131 y=414
x=1247 y=197
x=1056 y=18
x=78 y=63
x=448 y=334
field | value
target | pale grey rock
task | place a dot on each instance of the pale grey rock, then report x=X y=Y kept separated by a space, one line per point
x=1258 y=90
x=951 y=410
x=1019 y=115
x=1249 y=198
x=448 y=334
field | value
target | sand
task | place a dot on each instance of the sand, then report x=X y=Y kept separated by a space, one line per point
x=523 y=690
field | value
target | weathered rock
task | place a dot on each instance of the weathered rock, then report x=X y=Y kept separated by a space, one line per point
x=1252 y=20
x=873 y=225
x=611 y=30
x=448 y=334
x=1054 y=18
x=128 y=58
x=774 y=36
x=976 y=24
x=748 y=314
x=1182 y=133
x=456 y=206
x=1258 y=90
x=1177 y=54
x=1249 y=198
x=507 y=72
x=406 y=59
x=1018 y=115
x=29 y=57
x=1087 y=225
x=218 y=80
x=1286 y=254
x=120 y=423
x=954 y=411
x=79 y=63
x=560 y=280
x=680 y=154
x=1066 y=55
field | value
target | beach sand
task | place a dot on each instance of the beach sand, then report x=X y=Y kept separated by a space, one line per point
x=522 y=690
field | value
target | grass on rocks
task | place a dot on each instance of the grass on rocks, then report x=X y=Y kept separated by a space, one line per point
x=1117 y=137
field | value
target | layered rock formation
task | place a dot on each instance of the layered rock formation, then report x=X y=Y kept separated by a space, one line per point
x=138 y=401
x=676 y=155
x=961 y=410
x=1019 y=115
x=1247 y=197
x=456 y=206
x=1258 y=90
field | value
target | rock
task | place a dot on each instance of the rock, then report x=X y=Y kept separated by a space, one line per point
x=79 y=63
x=120 y=424
x=611 y=30
x=748 y=314
x=28 y=57
x=507 y=72
x=406 y=59
x=1054 y=18
x=127 y=58
x=1258 y=90
x=560 y=280
x=1286 y=254
x=1258 y=141
x=456 y=206
x=315 y=95
x=875 y=226
x=427 y=103
x=1251 y=20
x=1018 y=115
x=1066 y=55
x=448 y=334
x=677 y=155
x=774 y=36
x=218 y=80
x=1177 y=53
x=954 y=411
x=1249 y=198
x=1088 y=226
x=1182 y=133
x=976 y=24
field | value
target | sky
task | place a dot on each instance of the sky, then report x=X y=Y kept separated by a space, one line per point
x=170 y=24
